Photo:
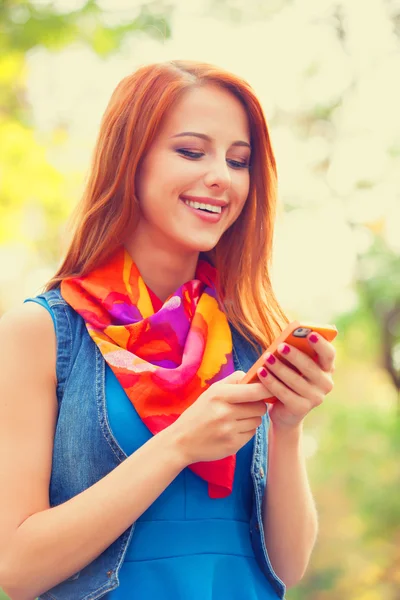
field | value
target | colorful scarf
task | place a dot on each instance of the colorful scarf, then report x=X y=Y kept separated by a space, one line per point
x=163 y=359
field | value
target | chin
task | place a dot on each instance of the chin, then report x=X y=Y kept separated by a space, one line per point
x=202 y=246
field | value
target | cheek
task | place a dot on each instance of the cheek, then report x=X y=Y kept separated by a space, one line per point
x=171 y=177
x=152 y=183
x=182 y=173
x=242 y=188
x=143 y=180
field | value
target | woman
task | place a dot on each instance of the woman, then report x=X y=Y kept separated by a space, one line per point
x=139 y=464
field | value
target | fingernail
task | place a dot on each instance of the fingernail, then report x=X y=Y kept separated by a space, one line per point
x=271 y=359
x=313 y=338
x=284 y=349
x=263 y=372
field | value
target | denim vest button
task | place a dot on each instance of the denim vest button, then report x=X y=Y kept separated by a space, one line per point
x=261 y=471
x=109 y=573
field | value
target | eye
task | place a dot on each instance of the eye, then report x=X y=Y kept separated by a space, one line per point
x=237 y=164
x=192 y=155
x=189 y=153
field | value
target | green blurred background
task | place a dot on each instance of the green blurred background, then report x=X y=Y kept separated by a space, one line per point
x=327 y=73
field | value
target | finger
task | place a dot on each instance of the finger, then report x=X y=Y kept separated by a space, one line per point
x=247 y=425
x=267 y=393
x=310 y=372
x=325 y=350
x=245 y=392
x=304 y=386
x=295 y=403
x=235 y=377
x=248 y=410
x=305 y=365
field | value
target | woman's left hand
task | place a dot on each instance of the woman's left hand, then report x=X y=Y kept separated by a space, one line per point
x=298 y=394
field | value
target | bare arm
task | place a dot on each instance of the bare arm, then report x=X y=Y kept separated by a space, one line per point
x=42 y=546
x=290 y=516
x=289 y=513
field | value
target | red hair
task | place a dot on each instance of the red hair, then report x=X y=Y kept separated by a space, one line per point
x=109 y=205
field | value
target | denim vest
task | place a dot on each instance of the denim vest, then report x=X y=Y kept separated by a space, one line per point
x=85 y=449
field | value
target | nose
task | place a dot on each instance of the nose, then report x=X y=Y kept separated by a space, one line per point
x=218 y=175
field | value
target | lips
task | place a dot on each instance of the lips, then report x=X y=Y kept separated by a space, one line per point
x=205 y=200
x=203 y=215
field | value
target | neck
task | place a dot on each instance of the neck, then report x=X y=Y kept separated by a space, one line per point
x=162 y=270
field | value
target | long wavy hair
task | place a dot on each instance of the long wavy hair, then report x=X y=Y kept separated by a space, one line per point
x=109 y=205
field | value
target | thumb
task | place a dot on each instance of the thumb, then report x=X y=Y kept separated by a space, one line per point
x=235 y=377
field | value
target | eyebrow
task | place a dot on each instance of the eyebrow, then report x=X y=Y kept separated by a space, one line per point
x=203 y=136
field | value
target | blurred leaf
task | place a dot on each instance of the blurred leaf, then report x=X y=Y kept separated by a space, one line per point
x=30 y=187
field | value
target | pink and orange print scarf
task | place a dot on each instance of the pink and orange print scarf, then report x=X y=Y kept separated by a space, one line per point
x=163 y=359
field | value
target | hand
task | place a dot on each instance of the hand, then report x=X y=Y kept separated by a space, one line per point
x=221 y=421
x=298 y=394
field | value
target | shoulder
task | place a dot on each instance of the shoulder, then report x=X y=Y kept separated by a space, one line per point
x=29 y=318
x=27 y=333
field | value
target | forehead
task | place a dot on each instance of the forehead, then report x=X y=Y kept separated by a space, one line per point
x=208 y=109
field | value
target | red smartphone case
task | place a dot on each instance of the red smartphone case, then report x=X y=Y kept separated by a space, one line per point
x=295 y=334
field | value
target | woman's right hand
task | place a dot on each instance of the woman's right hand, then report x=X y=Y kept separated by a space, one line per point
x=221 y=421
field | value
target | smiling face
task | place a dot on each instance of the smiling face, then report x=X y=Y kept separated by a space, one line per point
x=194 y=180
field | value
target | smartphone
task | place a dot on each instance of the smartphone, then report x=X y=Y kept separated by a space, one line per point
x=295 y=334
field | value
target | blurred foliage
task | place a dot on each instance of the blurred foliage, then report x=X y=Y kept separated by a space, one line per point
x=357 y=474
x=393 y=8
x=379 y=286
x=353 y=440
x=241 y=11
x=24 y=26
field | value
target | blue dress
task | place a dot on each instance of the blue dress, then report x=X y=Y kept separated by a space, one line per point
x=187 y=545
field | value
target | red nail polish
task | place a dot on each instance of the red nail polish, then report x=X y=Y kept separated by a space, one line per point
x=285 y=349
x=263 y=373
x=271 y=359
x=313 y=338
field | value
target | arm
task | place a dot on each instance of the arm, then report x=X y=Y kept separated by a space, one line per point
x=289 y=514
x=42 y=546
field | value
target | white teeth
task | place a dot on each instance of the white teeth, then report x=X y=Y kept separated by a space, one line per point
x=201 y=206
